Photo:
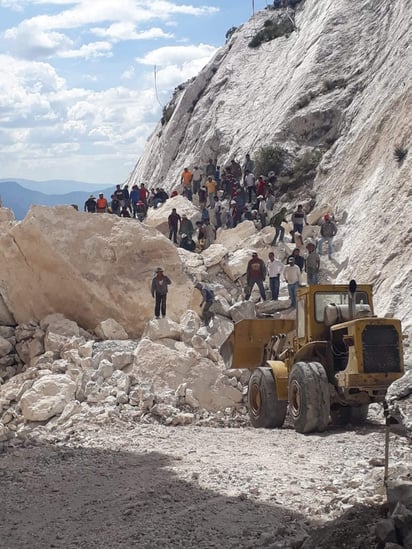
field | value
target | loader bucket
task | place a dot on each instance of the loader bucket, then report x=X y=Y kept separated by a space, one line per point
x=245 y=347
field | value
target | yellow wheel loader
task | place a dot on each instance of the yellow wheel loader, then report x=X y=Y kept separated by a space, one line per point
x=328 y=364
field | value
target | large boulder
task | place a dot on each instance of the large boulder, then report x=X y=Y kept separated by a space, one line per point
x=167 y=369
x=231 y=238
x=158 y=218
x=47 y=397
x=87 y=267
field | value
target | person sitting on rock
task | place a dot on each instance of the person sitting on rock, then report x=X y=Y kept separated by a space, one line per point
x=187 y=243
x=186 y=226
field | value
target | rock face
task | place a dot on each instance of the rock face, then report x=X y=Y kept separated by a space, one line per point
x=341 y=82
x=88 y=267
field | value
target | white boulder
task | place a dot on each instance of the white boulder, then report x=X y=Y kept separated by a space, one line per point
x=47 y=397
x=110 y=329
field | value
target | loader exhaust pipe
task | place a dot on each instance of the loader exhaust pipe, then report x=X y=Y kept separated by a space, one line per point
x=352 y=299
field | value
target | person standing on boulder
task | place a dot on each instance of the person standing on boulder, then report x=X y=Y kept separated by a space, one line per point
x=208 y=299
x=312 y=264
x=274 y=268
x=291 y=275
x=173 y=220
x=256 y=274
x=159 y=291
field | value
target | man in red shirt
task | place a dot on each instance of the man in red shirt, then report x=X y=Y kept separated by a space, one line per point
x=256 y=274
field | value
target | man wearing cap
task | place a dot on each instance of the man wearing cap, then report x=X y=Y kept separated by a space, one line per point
x=328 y=230
x=312 y=264
x=90 y=204
x=274 y=268
x=291 y=275
x=159 y=291
x=101 y=204
x=256 y=274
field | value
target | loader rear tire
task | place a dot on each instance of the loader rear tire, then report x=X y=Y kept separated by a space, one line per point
x=309 y=397
x=265 y=410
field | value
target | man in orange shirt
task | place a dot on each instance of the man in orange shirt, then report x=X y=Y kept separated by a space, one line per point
x=211 y=187
x=186 y=181
x=101 y=204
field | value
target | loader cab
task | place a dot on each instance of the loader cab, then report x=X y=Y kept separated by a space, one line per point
x=321 y=306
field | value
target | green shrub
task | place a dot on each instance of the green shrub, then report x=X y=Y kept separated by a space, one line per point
x=270 y=158
x=399 y=153
x=272 y=30
x=167 y=114
x=302 y=171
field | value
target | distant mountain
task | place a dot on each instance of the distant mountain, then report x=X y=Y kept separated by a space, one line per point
x=19 y=199
x=57 y=186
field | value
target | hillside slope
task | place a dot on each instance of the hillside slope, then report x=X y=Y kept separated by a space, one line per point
x=342 y=82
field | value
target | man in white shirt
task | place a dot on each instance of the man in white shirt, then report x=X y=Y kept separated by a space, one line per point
x=274 y=268
x=250 y=185
x=291 y=274
x=197 y=179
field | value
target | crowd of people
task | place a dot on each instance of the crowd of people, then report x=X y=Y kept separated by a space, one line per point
x=225 y=198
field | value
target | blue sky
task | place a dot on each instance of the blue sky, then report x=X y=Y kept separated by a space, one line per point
x=77 y=95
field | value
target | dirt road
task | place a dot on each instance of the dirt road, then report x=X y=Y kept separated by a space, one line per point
x=150 y=486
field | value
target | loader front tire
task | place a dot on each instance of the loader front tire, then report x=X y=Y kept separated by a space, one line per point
x=309 y=397
x=265 y=410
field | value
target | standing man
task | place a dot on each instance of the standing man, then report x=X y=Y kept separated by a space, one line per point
x=173 y=221
x=248 y=166
x=312 y=264
x=186 y=181
x=211 y=187
x=276 y=222
x=207 y=301
x=256 y=274
x=197 y=179
x=298 y=220
x=250 y=185
x=328 y=230
x=291 y=274
x=159 y=291
x=101 y=204
x=90 y=204
x=274 y=268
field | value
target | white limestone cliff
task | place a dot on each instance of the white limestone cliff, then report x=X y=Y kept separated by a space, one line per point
x=340 y=81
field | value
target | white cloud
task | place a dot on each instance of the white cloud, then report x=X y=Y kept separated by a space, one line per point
x=128 y=74
x=126 y=30
x=177 y=55
x=87 y=51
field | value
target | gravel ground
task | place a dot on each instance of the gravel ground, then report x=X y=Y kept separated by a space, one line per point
x=151 y=486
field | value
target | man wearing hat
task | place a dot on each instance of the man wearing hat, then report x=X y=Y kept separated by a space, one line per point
x=159 y=291
x=256 y=274
x=291 y=274
x=90 y=204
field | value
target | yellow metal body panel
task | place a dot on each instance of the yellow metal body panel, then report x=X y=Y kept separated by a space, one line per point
x=281 y=375
x=312 y=329
x=245 y=347
x=354 y=329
